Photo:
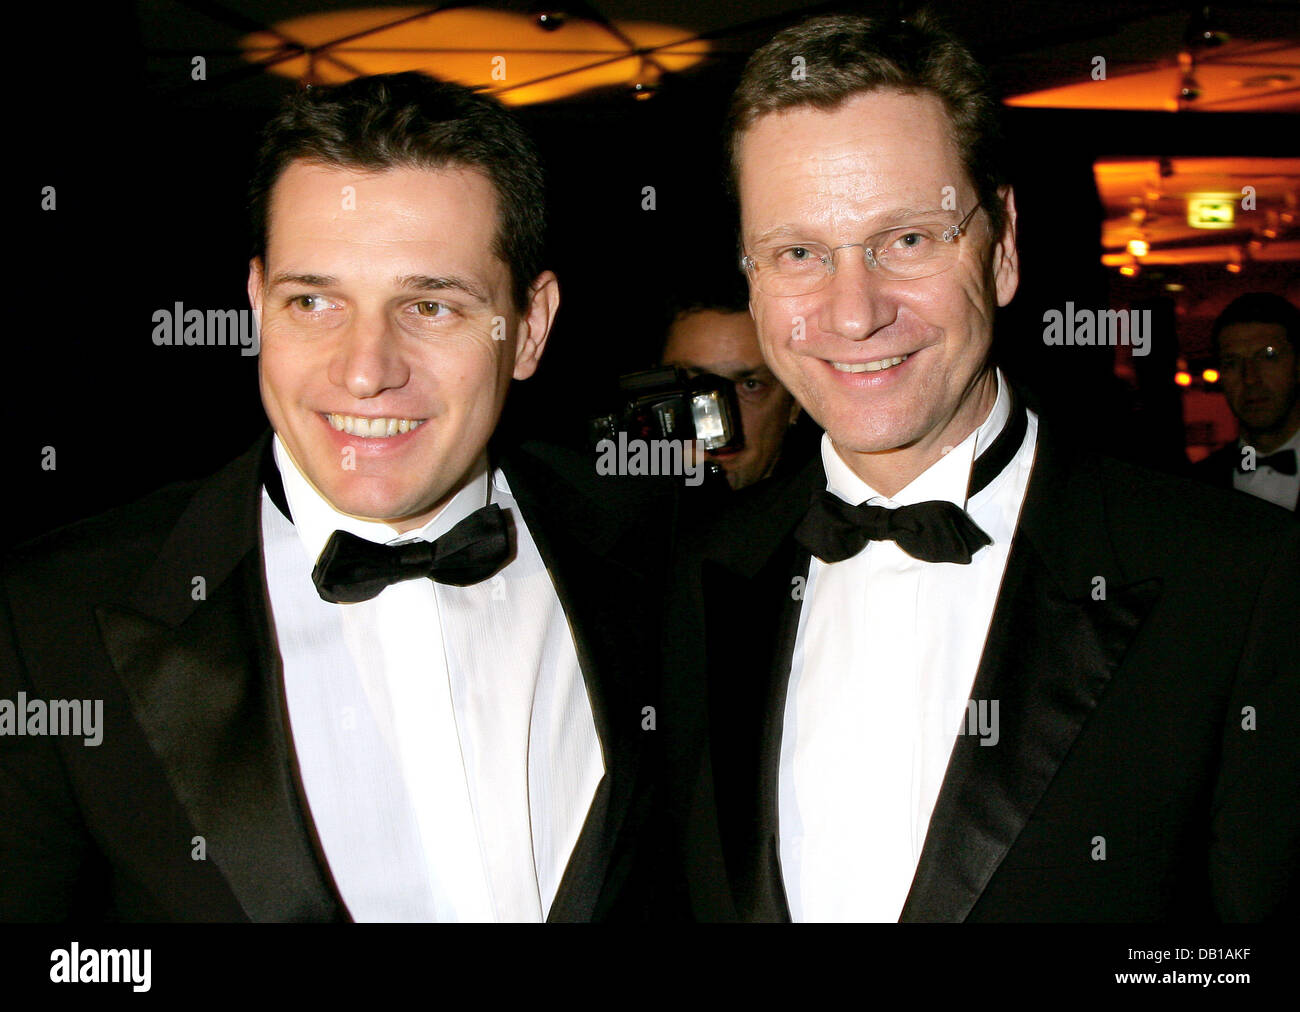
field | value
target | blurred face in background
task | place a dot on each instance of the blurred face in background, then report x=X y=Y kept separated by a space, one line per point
x=1260 y=372
x=713 y=341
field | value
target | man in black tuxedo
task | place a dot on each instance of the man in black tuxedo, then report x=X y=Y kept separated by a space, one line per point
x=1256 y=340
x=955 y=669
x=369 y=670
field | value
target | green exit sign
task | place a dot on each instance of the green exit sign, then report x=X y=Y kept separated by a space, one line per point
x=1217 y=210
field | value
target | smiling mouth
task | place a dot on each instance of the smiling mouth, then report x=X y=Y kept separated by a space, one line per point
x=876 y=366
x=372 y=428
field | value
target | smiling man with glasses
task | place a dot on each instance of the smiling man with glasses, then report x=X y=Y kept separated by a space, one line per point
x=987 y=676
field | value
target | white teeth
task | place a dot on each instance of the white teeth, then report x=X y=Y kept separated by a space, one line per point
x=372 y=428
x=876 y=366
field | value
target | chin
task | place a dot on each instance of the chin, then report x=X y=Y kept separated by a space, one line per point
x=868 y=435
x=370 y=503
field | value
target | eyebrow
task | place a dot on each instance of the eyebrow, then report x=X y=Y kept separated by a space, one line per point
x=900 y=215
x=411 y=282
x=427 y=283
x=732 y=371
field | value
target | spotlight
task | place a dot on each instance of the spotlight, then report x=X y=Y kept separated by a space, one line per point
x=549 y=19
x=1202 y=32
x=646 y=83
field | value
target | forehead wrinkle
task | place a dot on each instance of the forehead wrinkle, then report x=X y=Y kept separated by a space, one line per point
x=898 y=217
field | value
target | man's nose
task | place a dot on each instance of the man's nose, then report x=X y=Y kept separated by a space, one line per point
x=1251 y=373
x=858 y=302
x=369 y=358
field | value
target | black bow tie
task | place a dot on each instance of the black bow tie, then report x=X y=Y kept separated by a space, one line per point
x=1283 y=462
x=352 y=569
x=933 y=531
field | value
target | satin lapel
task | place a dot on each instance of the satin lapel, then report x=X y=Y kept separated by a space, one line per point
x=591 y=536
x=1052 y=649
x=753 y=591
x=203 y=677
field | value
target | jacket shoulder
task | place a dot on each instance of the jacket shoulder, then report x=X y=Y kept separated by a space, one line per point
x=101 y=547
x=1213 y=541
x=110 y=548
x=1217 y=467
x=548 y=463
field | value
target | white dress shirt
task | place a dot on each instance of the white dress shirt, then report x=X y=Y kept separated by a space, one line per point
x=1273 y=486
x=443 y=734
x=884 y=660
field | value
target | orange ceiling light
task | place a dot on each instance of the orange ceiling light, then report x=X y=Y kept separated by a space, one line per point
x=1199 y=210
x=1237 y=77
x=505 y=53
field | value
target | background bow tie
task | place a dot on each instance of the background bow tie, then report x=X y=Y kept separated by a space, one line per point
x=352 y=569
x=934 y=531
x=1283 y=462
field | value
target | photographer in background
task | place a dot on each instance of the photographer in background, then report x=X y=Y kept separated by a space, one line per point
x=716 y=334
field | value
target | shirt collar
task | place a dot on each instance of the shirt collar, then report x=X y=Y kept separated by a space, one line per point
x=315 y=518
x=1291 y=444
x=946 y=479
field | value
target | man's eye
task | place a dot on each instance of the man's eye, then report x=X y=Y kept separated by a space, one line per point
x=432 y=309
x=914 y=240
x=751 y=386
x=796 y=255
x=309 y=303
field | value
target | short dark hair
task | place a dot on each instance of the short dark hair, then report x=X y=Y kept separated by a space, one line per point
x=411 y=120
x=1259 y=307
x=716 y=290
x=846 y=55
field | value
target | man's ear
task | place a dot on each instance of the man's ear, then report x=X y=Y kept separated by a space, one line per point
x=535 y=325
x=255 y=277
x=1006 y=261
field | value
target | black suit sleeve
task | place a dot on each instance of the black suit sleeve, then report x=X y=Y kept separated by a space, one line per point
x=45 y=852
x=1255 y=827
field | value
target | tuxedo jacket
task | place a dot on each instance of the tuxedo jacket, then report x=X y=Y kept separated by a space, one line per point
x=1143 y=650
x=1219 y=467
x=195 y=740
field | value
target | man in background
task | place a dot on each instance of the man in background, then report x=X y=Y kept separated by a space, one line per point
x=1256 y=340
x=719 y=337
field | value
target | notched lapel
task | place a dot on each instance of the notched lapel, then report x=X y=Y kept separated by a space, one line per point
x=1052 y=650
x=202 y=676
x=753 y=597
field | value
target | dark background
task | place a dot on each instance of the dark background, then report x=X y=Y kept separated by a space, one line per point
x=150 y=169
